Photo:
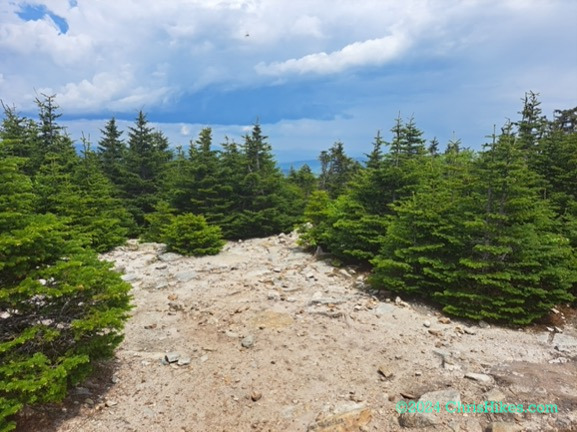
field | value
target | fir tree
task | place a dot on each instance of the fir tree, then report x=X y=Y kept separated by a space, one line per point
x=62 y=308
x=112 y=153
x=516 y=267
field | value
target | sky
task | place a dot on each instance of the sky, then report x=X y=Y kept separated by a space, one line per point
x=311 y=72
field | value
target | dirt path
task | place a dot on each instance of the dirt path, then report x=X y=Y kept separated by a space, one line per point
x=263 y=337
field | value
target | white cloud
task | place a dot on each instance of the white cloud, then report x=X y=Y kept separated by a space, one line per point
x=372 y=52
x=185 y=130
x=121 y=55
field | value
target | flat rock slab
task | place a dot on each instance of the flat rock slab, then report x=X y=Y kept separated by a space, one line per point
x=169 y=257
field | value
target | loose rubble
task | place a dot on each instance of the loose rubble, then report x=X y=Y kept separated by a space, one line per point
x=267 y=337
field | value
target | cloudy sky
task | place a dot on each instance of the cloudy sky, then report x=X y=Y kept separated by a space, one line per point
x=312 y=71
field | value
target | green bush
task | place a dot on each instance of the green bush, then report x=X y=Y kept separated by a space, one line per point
x=190 y=234
x=60 y=307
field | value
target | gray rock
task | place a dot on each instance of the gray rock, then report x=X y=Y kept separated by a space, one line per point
x=248 y=341
x=494 y=395
x=169 y=257
x=384 y=309
x=185 y=276
x=161 y=266
x=161 y=285
x=273 y=295
x=345 y=273
x=469 y=331
x=486 y=379
x=131 y=277
x=483 y=325
x=565 y=343
x=172 y=357
x=427 y=323
x=82 y=391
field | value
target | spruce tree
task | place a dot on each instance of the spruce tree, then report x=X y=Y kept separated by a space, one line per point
x=264 y=200
x=112 y=154
x=516 y=266
x=147 y=158
x=61 y=309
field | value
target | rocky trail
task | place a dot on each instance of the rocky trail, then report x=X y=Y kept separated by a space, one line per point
x=265 y=337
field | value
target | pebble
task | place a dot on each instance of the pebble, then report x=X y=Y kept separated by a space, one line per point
x=183 y=361
x=427 y=324
x=479 y=377
x=256 y=396
x=385 y=371
x=172 y=357
x=248 y=341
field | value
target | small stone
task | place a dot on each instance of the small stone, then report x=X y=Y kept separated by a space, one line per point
x=183 y=361
x=344 y=273
x=418 y=373
x=277 y=270
x=444 y=320
x=479 y=377
x=248 y=341
x=469 y=331
x=494 y=395
x=172 y=357
x=483 y=324
x=169 y=257
x=110 y=403
x=427 y=323
x=273 y=295
x=88 y=401
x=185 y=276
x=161 y=266
x=204 y=358
x=130 y=277
x=114 y=379
x=385 y=371
x=255 y=396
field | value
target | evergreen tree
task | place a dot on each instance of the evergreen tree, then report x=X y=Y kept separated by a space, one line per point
x=18 y=136
x=147 y=157
x=112 y=154
x=264 y=200
x=424 y=239
x=337 y=169
x=51 y=139
x=62 y=308
x=516 y=267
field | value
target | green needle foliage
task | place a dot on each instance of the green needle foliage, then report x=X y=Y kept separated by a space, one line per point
x=61 y=308
x=190 y=234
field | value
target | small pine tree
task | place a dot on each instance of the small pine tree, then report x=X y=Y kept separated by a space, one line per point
x=61 y=308
x=190 y=234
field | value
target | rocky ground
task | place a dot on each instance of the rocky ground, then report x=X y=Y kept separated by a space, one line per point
x=265 y=337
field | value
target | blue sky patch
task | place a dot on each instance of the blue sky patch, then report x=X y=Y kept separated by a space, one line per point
x=29 y=12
